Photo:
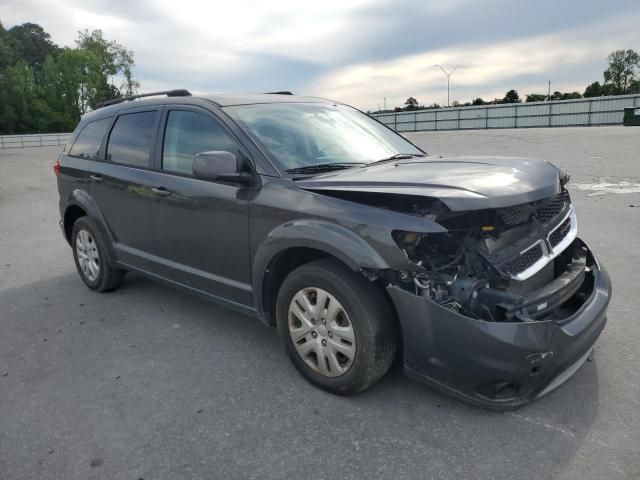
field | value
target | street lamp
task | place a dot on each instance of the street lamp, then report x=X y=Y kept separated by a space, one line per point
x=448 y=74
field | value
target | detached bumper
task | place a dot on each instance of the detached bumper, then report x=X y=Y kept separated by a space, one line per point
x=498 y=364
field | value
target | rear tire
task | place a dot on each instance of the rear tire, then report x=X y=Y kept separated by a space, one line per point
x=345 y=341
x=90 y=258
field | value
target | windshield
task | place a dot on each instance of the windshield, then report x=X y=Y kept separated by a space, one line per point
x=302 y=134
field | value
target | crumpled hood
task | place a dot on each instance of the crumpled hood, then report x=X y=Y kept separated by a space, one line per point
x=461 y=183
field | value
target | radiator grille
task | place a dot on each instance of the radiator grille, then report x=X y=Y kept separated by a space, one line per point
x=549 y=210
x=559 y=233
x=546 y=210
x=524 y=260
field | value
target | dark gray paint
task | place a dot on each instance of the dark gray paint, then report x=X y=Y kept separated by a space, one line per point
x=462 y=183
x=457 y=354
x=219 y=239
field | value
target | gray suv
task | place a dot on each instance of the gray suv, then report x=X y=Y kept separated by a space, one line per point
x=356 y=244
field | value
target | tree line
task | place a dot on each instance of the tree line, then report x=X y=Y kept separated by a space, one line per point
x=46 y=88
x=621 y=77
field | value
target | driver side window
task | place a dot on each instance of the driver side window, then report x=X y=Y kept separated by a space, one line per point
x=188 y=133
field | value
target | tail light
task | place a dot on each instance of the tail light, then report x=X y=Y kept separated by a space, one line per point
x=56 y=168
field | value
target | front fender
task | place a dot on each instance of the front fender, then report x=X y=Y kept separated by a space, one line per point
x=321 y=235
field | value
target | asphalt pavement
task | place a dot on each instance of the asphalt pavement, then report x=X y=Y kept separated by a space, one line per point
x=150 y=382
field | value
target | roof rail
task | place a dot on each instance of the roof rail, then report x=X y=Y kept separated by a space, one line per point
x=169 y=93
x=286 y=92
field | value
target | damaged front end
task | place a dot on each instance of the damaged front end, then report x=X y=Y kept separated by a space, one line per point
x=510 y=264
x=505 y=305
x=498 y=300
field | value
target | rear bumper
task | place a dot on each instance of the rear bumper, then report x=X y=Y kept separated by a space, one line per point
x=498 y=364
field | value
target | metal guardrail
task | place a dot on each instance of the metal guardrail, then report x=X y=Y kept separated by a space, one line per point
x=36 y=140
x=559 y=113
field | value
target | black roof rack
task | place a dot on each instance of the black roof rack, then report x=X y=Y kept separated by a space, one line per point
x=169 y=93
x=286 y=92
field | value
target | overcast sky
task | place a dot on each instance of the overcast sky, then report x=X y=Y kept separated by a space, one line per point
x=356 y=51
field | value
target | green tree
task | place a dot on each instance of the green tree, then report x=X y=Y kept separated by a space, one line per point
x=109 y=60
x=565 y=96
x=594 y=90
x=411 y=104
x=622 y=71
x=69 y=83
x=536 y=97
x=22 y=107
x=571 y=96
x=478 y=101
x=46 y=88
x=511 y=97
x=32 y=44
x=7 y=53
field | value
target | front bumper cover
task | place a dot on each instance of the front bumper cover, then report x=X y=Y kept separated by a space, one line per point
x=498 y=364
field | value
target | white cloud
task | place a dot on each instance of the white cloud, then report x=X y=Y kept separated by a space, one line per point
x=228 y=45
x=488 y=70
x=303 y=30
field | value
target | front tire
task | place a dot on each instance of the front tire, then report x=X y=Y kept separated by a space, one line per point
x=338 y=328
x=90 y=258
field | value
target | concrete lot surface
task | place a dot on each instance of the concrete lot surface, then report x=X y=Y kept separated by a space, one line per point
x=151 y=382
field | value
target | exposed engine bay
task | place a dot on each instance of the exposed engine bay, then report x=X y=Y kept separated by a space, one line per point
x=521 y=263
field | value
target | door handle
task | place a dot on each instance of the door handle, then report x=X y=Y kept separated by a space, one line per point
x=96 y=178
x=161 y=191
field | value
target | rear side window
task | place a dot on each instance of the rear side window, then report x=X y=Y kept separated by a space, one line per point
x=88 y=142
x=188 y=133
x=131 y=139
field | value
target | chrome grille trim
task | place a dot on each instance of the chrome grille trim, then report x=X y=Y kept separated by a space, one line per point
x=569 y=237
x=547 y=212
x=537 y=251
x=550 y=252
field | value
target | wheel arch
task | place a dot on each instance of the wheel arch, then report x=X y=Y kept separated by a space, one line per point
x=296 y=243
x=81 y=204
x=71 y=214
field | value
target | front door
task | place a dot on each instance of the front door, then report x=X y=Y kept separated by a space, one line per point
x=201 y=230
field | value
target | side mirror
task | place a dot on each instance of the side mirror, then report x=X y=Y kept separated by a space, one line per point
x=219 y=166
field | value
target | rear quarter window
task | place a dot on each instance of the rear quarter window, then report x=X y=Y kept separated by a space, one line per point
x=89 y=140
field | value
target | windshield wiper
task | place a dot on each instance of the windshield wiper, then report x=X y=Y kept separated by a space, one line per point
x=322 y=167
x=397 y=156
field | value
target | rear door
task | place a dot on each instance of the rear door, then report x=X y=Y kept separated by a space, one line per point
x=201 y=227
x=121 y=185
x=78 y=162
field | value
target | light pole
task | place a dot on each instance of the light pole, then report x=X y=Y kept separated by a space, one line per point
x=448 y=75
